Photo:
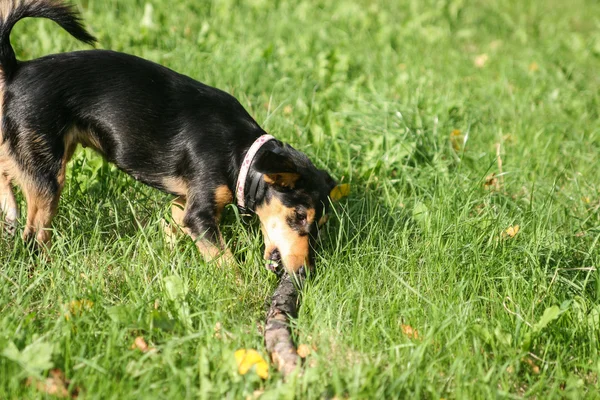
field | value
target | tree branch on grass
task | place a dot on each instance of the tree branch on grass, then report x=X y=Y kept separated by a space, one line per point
x=278 y=335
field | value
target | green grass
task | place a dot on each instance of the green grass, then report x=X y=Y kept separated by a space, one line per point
x=372 y=91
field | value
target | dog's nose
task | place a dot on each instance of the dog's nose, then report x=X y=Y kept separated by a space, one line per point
x=274 y=260
x=275 y=255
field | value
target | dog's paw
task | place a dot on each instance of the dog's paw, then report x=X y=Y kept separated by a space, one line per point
x=225 y=259
x=172 y=233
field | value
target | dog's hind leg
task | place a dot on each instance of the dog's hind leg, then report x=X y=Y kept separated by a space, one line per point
x=9 y=209
x=41 y=208
x=42 y=194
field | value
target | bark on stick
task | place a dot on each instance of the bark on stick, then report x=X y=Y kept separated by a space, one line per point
x=278 y=335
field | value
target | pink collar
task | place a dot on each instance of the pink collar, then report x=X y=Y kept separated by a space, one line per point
x=241 y=181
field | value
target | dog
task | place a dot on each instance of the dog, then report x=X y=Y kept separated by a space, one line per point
x=162 y=128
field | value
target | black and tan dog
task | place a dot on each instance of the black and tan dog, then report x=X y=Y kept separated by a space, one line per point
x=162 y=128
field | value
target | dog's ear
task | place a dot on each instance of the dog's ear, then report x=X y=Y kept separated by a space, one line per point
x=278 y=169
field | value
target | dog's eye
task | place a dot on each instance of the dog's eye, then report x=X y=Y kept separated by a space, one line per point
x=301 y=216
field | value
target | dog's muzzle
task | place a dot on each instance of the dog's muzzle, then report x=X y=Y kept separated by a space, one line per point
x=274 y=261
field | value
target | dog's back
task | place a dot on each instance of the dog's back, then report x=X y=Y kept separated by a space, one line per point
x=115 y=102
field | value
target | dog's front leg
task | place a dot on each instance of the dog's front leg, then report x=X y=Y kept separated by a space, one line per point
x=199 y=220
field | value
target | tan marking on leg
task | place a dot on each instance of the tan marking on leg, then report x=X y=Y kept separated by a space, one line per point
x=175 y=185
x=173 y=229
x=211 y=252
x=178 y=210
x=9 y=171
x=41 y=208
x=8 y=204
x=9 y=209
x=208 y=250
x=223 y=196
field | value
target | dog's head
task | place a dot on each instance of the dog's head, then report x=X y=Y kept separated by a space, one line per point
x=292 y=205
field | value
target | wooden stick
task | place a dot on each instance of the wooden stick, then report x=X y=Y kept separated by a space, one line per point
x=278 y=335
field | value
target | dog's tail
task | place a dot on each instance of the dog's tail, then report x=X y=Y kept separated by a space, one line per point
x=11 y=11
